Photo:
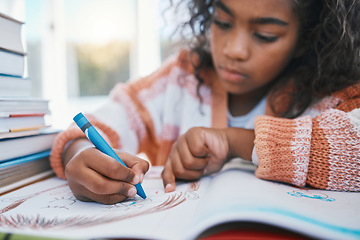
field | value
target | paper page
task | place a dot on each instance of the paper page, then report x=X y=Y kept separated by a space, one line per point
x=238 y=195
x=49 y=208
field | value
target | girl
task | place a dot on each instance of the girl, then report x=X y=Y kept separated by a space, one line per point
x=293 y=65
x=314 y=89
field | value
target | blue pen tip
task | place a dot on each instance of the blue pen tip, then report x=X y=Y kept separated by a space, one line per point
x=140 y=191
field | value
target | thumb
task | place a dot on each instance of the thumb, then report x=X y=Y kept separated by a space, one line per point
x=168 y=177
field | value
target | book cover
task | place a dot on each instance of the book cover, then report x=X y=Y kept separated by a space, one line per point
x=11 y=63
x=26 y=180
x=18 y=171
x=22 y=132
x=12 y=86
x=18 y=122
x=11 y=34
x=11 y=148
x=23 y=105
x=4 y=166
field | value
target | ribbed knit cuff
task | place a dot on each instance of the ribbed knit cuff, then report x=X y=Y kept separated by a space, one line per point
x=61 y=140
x=335 y=163
x=74 y=132
x=283 y=148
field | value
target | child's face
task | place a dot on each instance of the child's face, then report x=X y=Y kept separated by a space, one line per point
x=252 y=41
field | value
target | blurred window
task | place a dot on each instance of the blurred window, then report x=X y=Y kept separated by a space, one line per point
x=79 y=49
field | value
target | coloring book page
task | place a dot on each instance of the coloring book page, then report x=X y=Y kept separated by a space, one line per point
x=48 y=208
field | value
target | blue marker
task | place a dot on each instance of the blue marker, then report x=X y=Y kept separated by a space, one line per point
x=95 y=137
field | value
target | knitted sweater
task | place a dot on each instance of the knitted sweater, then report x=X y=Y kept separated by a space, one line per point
x=320 y=148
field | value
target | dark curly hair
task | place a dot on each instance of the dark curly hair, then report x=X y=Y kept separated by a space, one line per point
x=329 y=40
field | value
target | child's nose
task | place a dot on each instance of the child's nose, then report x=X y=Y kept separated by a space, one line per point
x=238 y=47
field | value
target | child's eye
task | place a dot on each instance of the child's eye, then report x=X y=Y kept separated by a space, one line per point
x=264 y=38
x=222 y=25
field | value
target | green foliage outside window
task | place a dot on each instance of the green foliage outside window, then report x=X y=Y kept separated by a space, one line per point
x=101 y=67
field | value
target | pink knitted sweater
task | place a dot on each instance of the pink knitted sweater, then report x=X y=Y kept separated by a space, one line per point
x=320 y=148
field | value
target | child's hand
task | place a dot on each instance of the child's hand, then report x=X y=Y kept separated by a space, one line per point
x=199 y=151
x=94 y=176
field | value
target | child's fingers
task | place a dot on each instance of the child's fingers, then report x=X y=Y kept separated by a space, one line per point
x=196 y=141
x=95 y=176
x=89 y=185
x=99 y=184
x=168 y=178
x=105 y=165
x=84 y=194
x=112 y=169
x=138 y=165
x=106 y=199
x=180 y=171
x=182 y=152
x=174 y=169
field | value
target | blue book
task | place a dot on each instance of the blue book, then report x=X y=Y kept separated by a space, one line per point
x=23 y=170
x=24 y=159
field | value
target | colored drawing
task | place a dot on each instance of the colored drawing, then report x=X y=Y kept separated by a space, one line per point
x=60 y=198
x=322 y=197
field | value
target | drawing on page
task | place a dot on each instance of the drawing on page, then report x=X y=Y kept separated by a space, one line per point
x=62 y=202
x=130 y=204
x=20 y=200
x=60 y=198
x=321 y=196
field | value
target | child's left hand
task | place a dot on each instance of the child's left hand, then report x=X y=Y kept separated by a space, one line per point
x=197 y=152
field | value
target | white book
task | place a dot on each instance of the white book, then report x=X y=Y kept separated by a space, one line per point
x=23 y=105
x=12 y=63
x=11 y=34
x=11 y=148
x=22 y=133
x=21 y=122
x=11 y=86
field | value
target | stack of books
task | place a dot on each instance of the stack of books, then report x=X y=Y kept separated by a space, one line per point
x=26 y=137
x=12 y=59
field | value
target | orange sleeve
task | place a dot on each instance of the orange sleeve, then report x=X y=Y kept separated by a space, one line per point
x=322 y=152
x=283 y=149
x=74 y=132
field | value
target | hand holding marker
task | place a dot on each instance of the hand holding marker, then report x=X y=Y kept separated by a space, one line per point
x=95 y=137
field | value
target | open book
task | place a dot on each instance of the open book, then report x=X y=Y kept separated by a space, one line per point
x=48 y=208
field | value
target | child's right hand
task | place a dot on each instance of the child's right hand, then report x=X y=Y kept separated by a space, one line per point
x=95 y=176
